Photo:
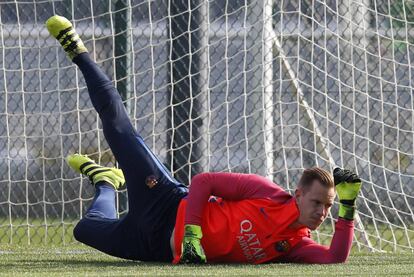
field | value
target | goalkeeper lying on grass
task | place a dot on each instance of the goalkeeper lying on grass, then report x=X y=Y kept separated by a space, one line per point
x=252 y=220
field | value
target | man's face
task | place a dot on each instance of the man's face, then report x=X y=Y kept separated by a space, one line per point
x=314 y=204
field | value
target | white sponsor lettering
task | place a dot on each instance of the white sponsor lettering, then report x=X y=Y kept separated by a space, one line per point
x=245 y=226
x=249 y=242
x=245 y=248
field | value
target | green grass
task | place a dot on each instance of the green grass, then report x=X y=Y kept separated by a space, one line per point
x=53 y=251
x=74 y=260
x=54 y=232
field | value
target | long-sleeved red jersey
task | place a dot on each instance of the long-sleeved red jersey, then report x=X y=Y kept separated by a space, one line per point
x=251 y=222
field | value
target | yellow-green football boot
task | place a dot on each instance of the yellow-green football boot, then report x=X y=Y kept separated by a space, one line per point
x=95 y=172
x=61 y=29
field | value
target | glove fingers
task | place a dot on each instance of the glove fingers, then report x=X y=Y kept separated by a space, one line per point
x=338 y=175
x=345 y=175
x=351 y=177
x=190 y=259
x=354 y=178
x=192 y=254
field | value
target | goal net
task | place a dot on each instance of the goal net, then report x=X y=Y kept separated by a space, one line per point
x=259 y=86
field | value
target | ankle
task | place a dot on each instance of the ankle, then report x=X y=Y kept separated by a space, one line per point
x=104 y=184
x=82 y=58
x=106 y=181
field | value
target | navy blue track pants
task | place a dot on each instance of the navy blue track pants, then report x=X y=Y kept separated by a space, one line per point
x=144 y=233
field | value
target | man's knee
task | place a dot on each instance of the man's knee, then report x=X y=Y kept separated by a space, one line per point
x=105 y=99
x=80 y=231
x=84 y=230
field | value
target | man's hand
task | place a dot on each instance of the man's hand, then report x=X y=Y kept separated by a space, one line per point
x=348 y=185
x=192 y=251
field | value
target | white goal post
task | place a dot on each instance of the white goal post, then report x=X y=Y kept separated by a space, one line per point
x=260 y=86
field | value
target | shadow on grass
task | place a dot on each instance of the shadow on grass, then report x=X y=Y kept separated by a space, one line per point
x=166 y=266
x=128 y=263
x=99 y=264
x=366 y=259
x=95 y=262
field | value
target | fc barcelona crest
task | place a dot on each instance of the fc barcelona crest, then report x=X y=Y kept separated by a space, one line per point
x=151 y=181
x=282 y=246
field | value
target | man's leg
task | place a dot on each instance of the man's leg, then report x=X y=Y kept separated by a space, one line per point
x=153 y=194
x=103 y=204
x=139 y=164
x=101 y=229
x=149 y=231
x=143 y=171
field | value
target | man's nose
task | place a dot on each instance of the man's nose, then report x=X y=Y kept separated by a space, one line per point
x=321 y=211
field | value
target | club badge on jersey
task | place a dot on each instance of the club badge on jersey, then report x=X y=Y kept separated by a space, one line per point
x=282 y=246
x=151 y=181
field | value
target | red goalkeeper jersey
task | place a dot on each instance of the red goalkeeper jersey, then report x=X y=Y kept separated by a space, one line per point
x=250 y=222
x=247 y=231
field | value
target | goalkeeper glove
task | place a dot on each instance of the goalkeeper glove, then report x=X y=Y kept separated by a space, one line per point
x=348 y=185
x=192 y=251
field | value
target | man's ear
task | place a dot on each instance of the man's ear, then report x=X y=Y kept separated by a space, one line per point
x=298 y=193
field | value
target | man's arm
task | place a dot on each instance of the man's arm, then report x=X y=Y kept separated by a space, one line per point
x=229 y=186
x=308 y=251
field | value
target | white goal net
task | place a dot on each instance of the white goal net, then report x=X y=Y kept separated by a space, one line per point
x=260 y=86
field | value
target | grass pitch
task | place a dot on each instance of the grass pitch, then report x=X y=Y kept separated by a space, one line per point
x=75 y=260
x=48 y=256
